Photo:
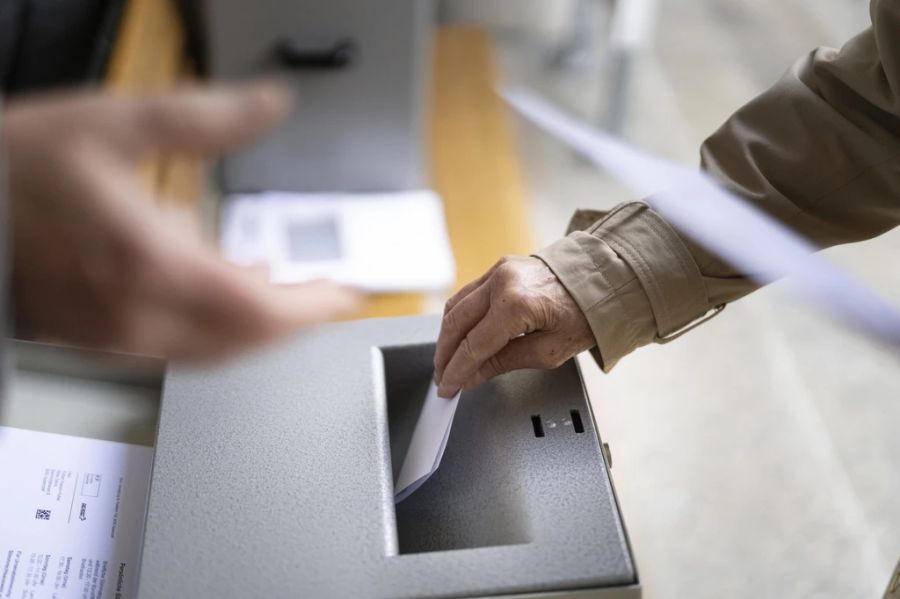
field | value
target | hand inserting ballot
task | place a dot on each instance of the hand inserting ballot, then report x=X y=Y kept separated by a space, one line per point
x=516 y=315
x=96 y=262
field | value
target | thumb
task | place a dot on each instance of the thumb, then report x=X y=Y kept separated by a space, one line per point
x=308 y=303
x=535 y=350
x=208 y=120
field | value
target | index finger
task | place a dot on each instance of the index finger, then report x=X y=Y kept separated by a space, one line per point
x=226 y=307
x=488 y=337
x=470 y=287
x=208 y=120
x=456 y=324
x=229 y=331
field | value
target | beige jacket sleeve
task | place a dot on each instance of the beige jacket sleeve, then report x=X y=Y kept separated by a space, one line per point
x=819 y=151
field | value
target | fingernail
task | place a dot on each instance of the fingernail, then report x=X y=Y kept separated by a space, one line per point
x=345 y=299
x=353 y=300
x=446 y=392
x=272 y=96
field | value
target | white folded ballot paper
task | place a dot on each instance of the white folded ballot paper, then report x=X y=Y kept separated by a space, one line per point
x=739 y=233
x=379 y=242
x=71 y=515
x=429 y=440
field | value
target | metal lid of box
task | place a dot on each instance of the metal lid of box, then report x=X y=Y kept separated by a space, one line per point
x=273 y=476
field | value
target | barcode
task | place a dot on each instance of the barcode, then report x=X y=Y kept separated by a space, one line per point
x=42 y=515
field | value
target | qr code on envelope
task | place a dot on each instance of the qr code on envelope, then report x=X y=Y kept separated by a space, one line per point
x=42 y=515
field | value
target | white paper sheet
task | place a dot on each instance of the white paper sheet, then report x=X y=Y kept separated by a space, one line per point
x=375 y=242
x=71 y=515
x=739 y=233
x=429 y=440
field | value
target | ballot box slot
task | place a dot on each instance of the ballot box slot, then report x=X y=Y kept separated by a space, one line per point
x=473 y=499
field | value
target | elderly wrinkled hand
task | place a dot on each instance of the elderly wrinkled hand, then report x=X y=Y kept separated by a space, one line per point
x=96 y=262
x=516 y=315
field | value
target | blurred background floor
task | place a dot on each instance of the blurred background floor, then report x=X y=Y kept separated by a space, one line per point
x=758 y=456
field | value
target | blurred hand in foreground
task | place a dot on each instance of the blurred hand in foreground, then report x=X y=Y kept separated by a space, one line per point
x=96 y=262
x=516 y=315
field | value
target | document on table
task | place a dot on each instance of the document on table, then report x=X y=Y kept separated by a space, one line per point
x=726 y=225
x=429 y=440
x=71 y=515
x=386 y=242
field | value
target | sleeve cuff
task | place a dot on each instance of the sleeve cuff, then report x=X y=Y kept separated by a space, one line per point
x=633 y=278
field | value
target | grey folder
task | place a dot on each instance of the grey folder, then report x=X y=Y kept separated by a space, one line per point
x=274 y=477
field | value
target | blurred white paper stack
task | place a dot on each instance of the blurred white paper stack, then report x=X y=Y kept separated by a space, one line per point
x=379 y=242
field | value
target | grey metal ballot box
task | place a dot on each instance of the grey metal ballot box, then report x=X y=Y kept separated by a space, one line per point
x=273 y=477
x=360 y=69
